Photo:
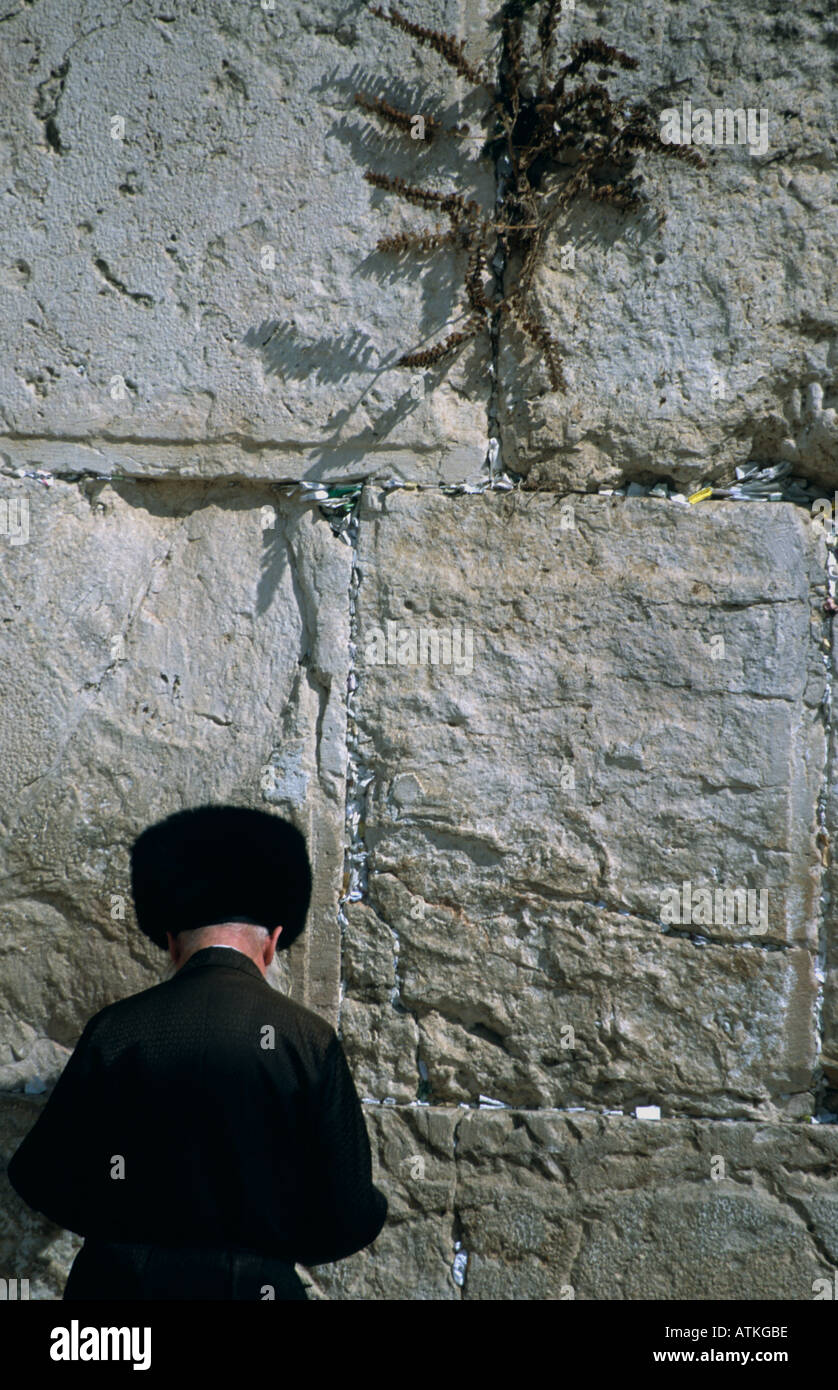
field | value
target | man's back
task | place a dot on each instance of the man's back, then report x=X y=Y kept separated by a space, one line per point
x=208 y=1110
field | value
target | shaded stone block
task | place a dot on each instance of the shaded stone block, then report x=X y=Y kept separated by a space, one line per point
x=162 y=648
x=698 y=344
x=559 y=1206
x=553 y=1206
x=639 y=712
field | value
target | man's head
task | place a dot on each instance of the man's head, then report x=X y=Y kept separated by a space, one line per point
x=221 y=875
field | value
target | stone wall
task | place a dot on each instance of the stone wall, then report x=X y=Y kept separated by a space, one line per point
x=637 y=690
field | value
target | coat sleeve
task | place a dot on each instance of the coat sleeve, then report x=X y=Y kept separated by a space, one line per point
x=346 y=1210
x=52 y=1169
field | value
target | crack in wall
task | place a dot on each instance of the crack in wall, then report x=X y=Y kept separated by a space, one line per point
x=705 y=939
x=114 y=281
x=358 y=773
x=47 y=101
x=459 y=1264
x=51 y=89
x=797 y=1204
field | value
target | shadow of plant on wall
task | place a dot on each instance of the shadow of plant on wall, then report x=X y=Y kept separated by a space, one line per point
x=554 y=138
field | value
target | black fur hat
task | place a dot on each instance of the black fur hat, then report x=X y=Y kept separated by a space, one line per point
x=220 y=863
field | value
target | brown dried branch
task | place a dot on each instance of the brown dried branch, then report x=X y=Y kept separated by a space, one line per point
x=428 y=356
x=640 y=133
x=560 y=143
x=546 y=37
x=404 y=120
x=451 y=203
x=513 y=45
x=477 y=297
x=596 y=50
x=419 y=241
x=539 y=334
x=612 y=193
x=446 y=45
x=586 y=93
x=684 y=152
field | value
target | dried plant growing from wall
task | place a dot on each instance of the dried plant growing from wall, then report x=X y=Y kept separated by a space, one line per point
x=555 y=137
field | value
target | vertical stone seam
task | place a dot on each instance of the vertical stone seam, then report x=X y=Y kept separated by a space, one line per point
x=459 y=1264
x=827 y=652
x=358 y=774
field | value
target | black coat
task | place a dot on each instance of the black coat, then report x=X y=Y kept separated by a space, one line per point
x=224 y=1141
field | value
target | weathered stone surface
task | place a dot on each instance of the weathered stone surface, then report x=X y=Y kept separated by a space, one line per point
x=621 y=1209
x=200 y=298
x=381 y=1036
x=712 y=341
x=552 y=1206
x=529 y=813
x=209 y=276
x=200 y=292
x=162 y=647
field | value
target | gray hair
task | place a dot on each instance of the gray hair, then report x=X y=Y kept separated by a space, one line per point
x=250 y=931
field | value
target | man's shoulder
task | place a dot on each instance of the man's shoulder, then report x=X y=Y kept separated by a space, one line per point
x=122 y=1009
x=296 y=1018
x=318 y=1026
x=290 y=1016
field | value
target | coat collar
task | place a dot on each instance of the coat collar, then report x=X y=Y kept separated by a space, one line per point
x=221 y=955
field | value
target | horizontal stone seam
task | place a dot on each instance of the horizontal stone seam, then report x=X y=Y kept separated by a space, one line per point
x=460 y=1108
x=300 y=446
x=547 y=1111
x=790 y=1126
x=242 y=441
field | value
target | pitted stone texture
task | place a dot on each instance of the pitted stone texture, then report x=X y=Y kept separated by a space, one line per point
x=380 y=1037
x=554 y=1207
x=163 y=647
x=693 y=348
x=208 y=275
x=642 y=710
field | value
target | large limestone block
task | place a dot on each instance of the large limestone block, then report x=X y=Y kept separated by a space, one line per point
x=516 y=1205
x=558 y=1206
x=380 y=1034
x=691 y=349
x=640 y=711
x=189 y=265
x=163 y=646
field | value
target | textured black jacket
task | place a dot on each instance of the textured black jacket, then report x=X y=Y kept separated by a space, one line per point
x=224 y=1140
